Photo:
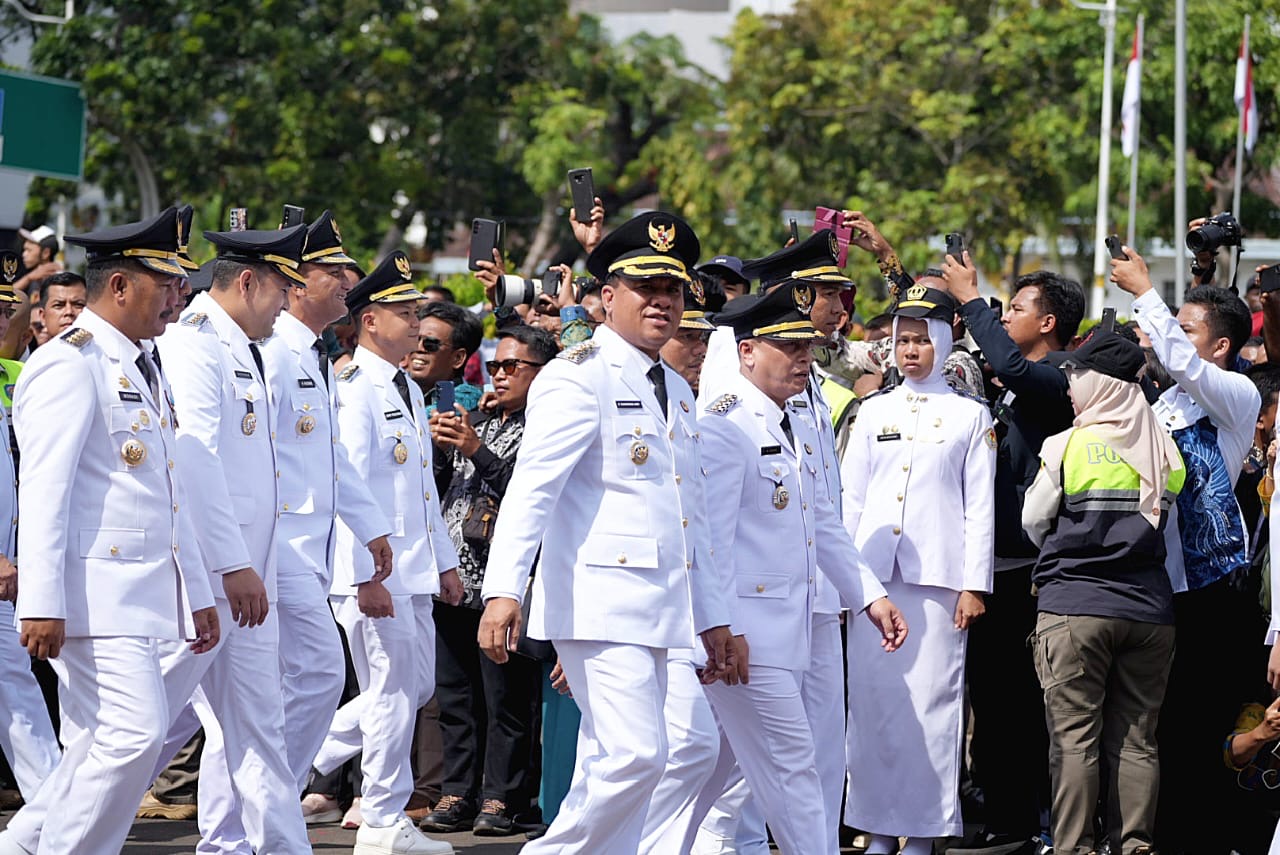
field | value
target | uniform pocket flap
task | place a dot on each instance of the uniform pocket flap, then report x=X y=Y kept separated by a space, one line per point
x=620 y=550
x=637 y=424
x=130 y=419
x=775 y=469
x=122 y=544
x=774 y=586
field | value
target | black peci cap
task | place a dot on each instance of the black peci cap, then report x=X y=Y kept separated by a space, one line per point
x=923 y=302
x=152 y=243
x=280 y=248
x=647 y=246
x=781 y=314
x=1108 y=353
x=812 y=260
x=390 y=282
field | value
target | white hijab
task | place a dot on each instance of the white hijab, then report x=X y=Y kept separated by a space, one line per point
x=940 y=336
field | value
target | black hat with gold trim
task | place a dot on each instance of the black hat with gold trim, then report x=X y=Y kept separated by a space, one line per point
x=781 y=314
x=647 y=246
x=8 y=275
x=152 y=243
x=812 y=260
x=280 y=248
x=324 y=242
x=390 y=282
x=695 y=304
x=924 y=302
x=185 y=215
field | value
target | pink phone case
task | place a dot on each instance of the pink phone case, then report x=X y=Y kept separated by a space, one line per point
x=829 y=218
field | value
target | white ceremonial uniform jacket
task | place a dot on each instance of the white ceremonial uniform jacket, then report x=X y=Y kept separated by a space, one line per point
x=812 y=407
x=780 y=526
x=225 y=443
x=390 y=451
x=605 y=485
x=317 y=480
x=108 y=544
x=919 y=487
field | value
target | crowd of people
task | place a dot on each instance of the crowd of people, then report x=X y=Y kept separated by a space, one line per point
x=675 y=559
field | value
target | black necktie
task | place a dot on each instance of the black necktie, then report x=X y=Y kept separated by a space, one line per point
x=257 y=360
x=786 y=428
x=144 y=365
x=402 y=383
x=658 y=378
x=323 y=356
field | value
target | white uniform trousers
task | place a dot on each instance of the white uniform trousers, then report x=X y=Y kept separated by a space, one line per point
x=26 y=734
x=765 y=729
x=240 y=682
x=736 y=817
x=395 y=663
x=113 y=720
x=622 y=747
x=693 y=743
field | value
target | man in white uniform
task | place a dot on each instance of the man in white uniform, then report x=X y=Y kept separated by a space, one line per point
x=109 y=567
x=26 y=734
x=760 y=451
x=227 y=450
x=607 y=470
x=382 y=427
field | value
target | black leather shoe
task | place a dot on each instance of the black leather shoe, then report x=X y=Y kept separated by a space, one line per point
x=493 y=820
x=452 y=813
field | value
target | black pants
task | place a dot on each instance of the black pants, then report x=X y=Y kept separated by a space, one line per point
x=1010 y=747
x=489 y=715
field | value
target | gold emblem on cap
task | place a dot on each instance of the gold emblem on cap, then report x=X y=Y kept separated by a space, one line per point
x=639 y=452
x=781 y=497
x=333 y=224
x=695 y=288
x=306 y=424
x=400 y=452
x=10 y=268
x=133 y=452
x=802 y=296
x=662 y=236
x=248 y=424
x=834 y=245
x=916 y=292
x=402 y=264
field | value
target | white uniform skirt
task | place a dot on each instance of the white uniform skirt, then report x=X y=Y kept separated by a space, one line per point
x=906 y=714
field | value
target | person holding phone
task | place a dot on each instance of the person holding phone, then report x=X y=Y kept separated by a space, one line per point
x=381 y=425
x=610 y=471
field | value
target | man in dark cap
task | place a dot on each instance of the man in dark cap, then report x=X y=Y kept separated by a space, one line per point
x=387 y=618
x=762 y=453
x=727 y=272
x=610 y=430
x=688 y=347
x=227 y=449
x=111 y=572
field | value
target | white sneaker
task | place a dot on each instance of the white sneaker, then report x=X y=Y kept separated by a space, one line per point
x=317 y=808
x=403 y=838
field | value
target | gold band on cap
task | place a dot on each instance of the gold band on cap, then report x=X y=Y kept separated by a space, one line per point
x=789 y=326
x=323 y=253
x=924 y=304
x=282 y=261
x=817 y=272
x=630 y=266
x=401 y=290
x=150 y=253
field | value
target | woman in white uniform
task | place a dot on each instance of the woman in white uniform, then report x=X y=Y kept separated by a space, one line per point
x=918 y=486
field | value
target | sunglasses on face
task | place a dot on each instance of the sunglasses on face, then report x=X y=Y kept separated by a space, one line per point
x=430 y=345
x=508 y=365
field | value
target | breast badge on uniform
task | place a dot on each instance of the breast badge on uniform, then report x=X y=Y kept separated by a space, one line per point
x=306 y=424
x=400 y=452
x=77 y=337
x=133 y=452
x=781 y=496
x=248 y=424
x=579 y=352
x=639 y=452
x=723 y=404
x=991 y=437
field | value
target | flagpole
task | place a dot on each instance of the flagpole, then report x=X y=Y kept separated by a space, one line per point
x=1132 y=234
x=1180 y=150
x=1239 y=177
x=1101 y=218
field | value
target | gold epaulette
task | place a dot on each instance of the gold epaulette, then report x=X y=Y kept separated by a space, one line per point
x=77 y=337
x=723 y=404
x=579 y=352
x=195 y=320
x=349 y=372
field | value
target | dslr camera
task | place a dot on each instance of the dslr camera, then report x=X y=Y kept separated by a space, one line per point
x=1218 y=231
x=513 y=291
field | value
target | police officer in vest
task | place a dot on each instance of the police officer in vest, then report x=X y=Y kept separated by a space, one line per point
x=607 y=472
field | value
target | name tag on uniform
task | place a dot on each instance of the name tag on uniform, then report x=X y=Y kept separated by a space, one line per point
x=886 y=437
x=392 y=414
x=243 y=375
x=628 y=405
x=800 y=404
x=131 y=396
x=766 y=450
x=306 y=383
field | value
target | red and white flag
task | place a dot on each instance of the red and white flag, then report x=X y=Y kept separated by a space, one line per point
x=1245 y=102
x=1131 y=103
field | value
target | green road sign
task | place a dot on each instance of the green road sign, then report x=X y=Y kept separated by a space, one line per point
x=41 y=125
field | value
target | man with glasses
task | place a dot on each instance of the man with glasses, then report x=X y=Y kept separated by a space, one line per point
x=448 y=335
x=488 y=712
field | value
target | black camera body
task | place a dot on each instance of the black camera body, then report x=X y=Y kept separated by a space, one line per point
x=1218 y=231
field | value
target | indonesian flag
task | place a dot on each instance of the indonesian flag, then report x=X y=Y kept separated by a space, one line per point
x=1131 y=104
x=1245 y=102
